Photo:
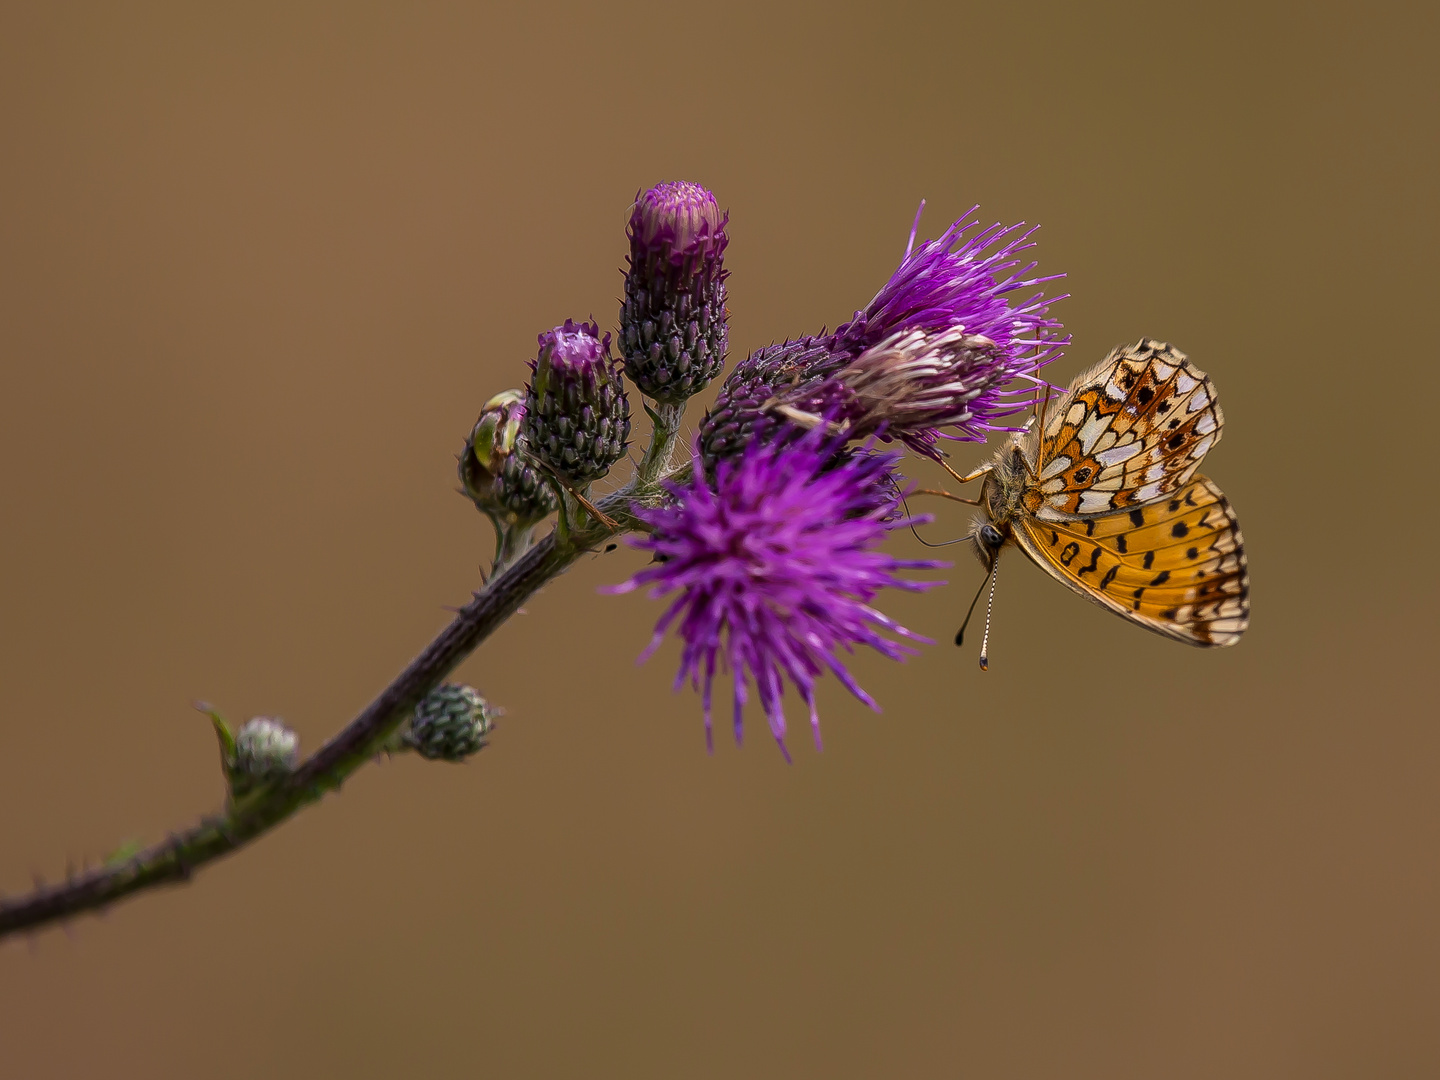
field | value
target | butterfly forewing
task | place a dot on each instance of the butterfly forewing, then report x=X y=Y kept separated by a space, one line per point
x=1175 y=566
x=1133 y=428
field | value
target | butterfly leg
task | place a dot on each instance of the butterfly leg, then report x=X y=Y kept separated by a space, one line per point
x=976 y=475
x=945 y=495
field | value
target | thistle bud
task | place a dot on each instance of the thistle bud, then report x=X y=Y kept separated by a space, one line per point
x=744 y=413
x=265 y=751
x=496 y=468
x=451 y=723
x=577 y=417
x=673 y=332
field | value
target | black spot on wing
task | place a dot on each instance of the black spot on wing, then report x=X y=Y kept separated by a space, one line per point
x=1094 y=563
x=1137 y=518
x=1068 y=552
x=1162 y=577
x=1179 y=529
x=1120 y=544
x=1149 y=559
x=1109 y=577
x=1090 y=527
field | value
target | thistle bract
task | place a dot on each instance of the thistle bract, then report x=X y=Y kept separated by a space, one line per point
x=496 y=468
x=743 y=413
x=673 y=320
x=772 y=566
x=577 y=415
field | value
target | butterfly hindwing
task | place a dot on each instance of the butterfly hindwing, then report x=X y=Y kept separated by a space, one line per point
x=1175 y=565
x=1133 y=428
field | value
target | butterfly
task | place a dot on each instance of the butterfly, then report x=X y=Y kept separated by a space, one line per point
x=1104 y=497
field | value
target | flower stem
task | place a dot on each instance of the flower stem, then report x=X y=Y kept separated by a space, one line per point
x=510 y=543
x=656 y=461
x=176 y=858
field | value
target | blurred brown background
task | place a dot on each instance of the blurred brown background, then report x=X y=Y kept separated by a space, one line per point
x=258 y=271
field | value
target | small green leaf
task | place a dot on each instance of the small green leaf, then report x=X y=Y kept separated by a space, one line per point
x=222 y=732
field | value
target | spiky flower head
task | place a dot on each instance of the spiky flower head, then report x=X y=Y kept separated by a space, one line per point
x=577 y=415
x=772 y=566
x=496 y=468
x=944 y=350
x=916 y=386
x=673 y=320
x=451 y=723
x=967 y=278
x=265 y=751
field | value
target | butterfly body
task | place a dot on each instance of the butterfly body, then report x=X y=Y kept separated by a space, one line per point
x=1107 y=500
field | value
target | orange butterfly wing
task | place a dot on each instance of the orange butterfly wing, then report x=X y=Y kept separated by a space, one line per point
x=1132 y=429
x=1175 y=566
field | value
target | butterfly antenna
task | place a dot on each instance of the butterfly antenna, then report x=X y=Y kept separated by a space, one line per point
x=960 y=634
x=989 y=607
x=927 y=543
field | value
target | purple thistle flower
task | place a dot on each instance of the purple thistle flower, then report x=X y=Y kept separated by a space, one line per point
x=673 y=332
x=938 y=353
x=912 y=385
x=679 y=219
x=775 y=565
x=577 y=415
x=966 y=281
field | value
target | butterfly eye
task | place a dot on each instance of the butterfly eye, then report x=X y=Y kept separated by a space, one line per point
x=990 y=536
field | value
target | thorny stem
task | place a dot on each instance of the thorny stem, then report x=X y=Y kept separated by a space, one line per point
x=176 y=858
x=662 y=441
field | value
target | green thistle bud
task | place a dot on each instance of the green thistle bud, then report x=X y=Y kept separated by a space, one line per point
x=451 y=723
x=577 y=416
x=496 y=468
x=498 y=429
x=265 y=751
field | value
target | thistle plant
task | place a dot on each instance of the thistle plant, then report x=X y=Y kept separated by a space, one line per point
x=766 y=537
